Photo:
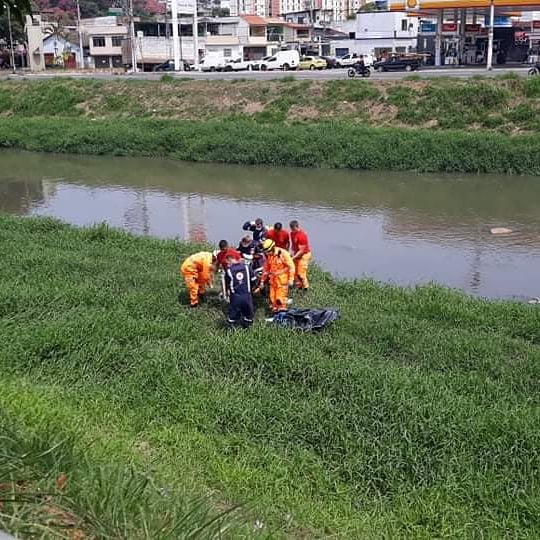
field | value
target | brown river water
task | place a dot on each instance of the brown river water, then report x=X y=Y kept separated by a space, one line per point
x=403 y=228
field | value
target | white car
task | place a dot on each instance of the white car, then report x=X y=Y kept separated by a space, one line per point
x=285 y=60
x=350 y=59
x=237 y=65
x=256 y=64
x=212 y=62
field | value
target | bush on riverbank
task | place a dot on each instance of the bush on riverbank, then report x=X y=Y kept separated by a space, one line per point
x=414 y=415
x=336 y=144
x=430 y=103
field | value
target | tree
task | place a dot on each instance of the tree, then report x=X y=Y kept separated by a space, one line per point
x=17 y=8
x=17 y=29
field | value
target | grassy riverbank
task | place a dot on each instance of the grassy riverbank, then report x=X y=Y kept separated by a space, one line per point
x=415 y=415
x=425 y=125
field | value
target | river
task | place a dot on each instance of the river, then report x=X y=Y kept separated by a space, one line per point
x=403 y=228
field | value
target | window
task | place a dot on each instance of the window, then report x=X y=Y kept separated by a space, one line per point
x=117 y=41
x=227 y=53
x=404 y=25
x=98 y=41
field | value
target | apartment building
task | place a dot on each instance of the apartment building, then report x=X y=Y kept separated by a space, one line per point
x=105 y=36
x=384 y=33
x=319 y=11
x=248 y=36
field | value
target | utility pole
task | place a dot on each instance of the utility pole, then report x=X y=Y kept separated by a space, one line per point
x=176 y=48
x=489 y=63
x=11 y=39
x=195 y=36
x=81 y=66
x=132 y=38
x=312 y=5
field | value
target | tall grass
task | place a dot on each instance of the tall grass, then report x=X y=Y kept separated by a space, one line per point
x=331 y=144
x=49 y=490
x=441 y=103
x=416 y=415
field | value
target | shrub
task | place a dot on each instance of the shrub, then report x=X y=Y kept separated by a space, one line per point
x=532 y=87
x=522 y=113
x=323 y=144
x=355 y=91
x=50 y=98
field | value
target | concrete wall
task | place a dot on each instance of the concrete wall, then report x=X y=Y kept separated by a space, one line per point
x=34 y=35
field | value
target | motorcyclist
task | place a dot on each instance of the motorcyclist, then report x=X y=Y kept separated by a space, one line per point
x=360 y=66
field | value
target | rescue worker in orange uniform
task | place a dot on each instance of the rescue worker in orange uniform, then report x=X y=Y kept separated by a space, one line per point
x=279 y=272
x=279 y=235
x=198 y=271
x=301 y=255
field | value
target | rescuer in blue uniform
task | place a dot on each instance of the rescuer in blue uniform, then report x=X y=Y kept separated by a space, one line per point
x=239 y=280
x=257 y=228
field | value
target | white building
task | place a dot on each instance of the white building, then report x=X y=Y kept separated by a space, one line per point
x=105 y=36
x=383 y=33
x=249 y=37
x=34 y=34
x=313 y=11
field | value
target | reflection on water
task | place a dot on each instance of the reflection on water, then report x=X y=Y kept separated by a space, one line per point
x=397 y=227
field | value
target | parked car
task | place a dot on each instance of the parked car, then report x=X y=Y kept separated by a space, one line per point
x=352 y=58
x=169 y=66
x=213 y=61
x=237 y=65
x=397 y=64
x=347 y=60
x=256 y=64
x=281 y=60
x=331 y=62
x=312 y=62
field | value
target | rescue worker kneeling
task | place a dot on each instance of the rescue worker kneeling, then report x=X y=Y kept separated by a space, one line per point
x=198 y=271
x=279 y=272
x=239 y=280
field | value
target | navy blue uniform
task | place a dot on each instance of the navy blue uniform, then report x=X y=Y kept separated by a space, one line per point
x=259 y=235
x=254 y=249
x=239 y=279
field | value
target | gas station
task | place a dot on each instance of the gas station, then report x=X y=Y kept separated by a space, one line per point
x=469 y=32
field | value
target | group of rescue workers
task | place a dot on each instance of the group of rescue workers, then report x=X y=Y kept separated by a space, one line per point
x=269 y=259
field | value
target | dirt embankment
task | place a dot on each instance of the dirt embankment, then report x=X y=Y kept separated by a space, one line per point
x=508 y=105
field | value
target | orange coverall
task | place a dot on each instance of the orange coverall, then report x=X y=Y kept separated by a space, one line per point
x=300 y=244
x=197 y=271
x=279 y=271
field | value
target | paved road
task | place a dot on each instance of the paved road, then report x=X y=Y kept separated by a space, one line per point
x=328 y=74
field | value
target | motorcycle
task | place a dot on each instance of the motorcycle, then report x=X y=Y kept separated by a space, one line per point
x=364 y=71
x=535 y=71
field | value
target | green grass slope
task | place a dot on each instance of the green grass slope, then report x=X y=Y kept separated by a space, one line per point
x=415 y=415
x=422 y=125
